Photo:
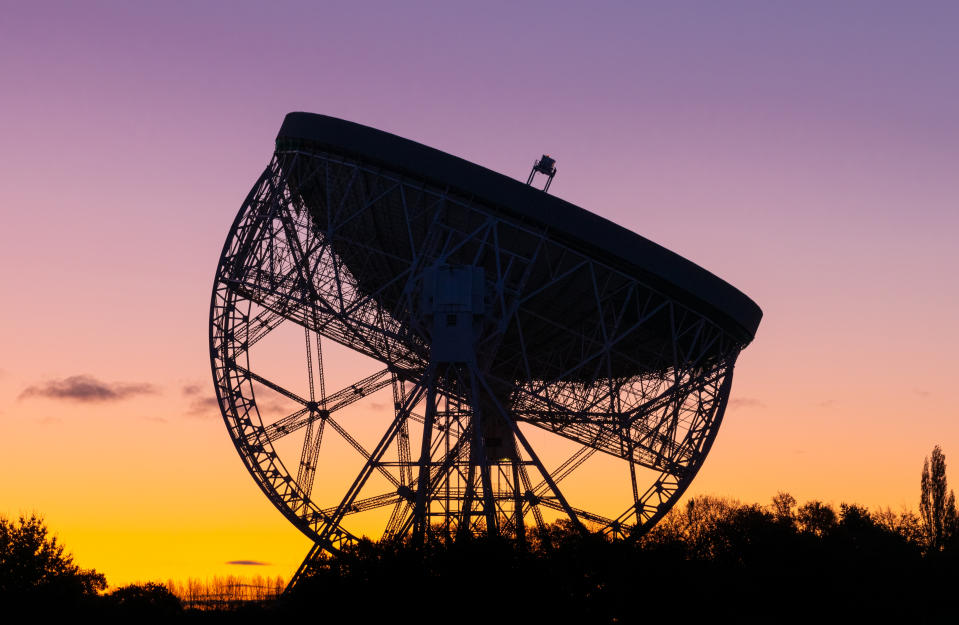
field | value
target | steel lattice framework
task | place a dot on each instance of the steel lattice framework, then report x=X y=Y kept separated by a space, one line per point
x=491 y=333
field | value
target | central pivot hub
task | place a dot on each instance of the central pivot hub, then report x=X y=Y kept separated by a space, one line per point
x=452 y=302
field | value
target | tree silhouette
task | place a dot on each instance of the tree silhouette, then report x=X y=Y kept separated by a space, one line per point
x=937 y=510
x=783 y=504
x=34 y=568
x=144 y=600
x=816 y=517
x=904 y=523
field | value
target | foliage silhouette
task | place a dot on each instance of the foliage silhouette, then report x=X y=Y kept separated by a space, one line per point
x=141 y=600
x=226 y=592
x=35 y=570
x=815 y=517
x=783 y=504
x=710 y=558
x=937 y=510
x=906 y=524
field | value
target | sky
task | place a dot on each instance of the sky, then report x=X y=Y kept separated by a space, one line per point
x=804 y=152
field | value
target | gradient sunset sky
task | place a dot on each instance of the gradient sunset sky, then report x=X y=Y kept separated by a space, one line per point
x=806 y=152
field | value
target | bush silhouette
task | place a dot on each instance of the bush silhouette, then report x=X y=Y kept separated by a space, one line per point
x=144 y=600
x=35 y=570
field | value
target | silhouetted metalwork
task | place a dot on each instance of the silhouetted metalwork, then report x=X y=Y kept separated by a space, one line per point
x=509 y=326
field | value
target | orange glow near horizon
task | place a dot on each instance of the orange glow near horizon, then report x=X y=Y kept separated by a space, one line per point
x=126 y=504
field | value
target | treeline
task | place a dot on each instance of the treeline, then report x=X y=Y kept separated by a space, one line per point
x=38 y=577
x=710 y=557
x=707 y=558
x=226 y=592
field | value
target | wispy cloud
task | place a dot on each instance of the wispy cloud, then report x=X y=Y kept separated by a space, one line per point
x=248 y=563
x=202 y=403
x=86 y=388
x=203 y=407
x=192 y=389
x=746 y=402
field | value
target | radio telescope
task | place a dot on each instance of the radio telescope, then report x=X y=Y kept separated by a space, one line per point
x=405 y=344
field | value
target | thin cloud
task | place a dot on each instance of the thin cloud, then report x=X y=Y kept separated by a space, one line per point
x=248 y=563
x=746 y=402
x=87 y=389
x=277 y=407
x=202 y=402
x=208 y=407
x=203 y=407
x=192 y=389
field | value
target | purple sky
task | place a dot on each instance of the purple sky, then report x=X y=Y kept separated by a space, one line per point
x=805 y=152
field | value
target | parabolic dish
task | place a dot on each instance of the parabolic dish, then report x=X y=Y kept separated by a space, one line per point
x=576 y=226
x=520 y=335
